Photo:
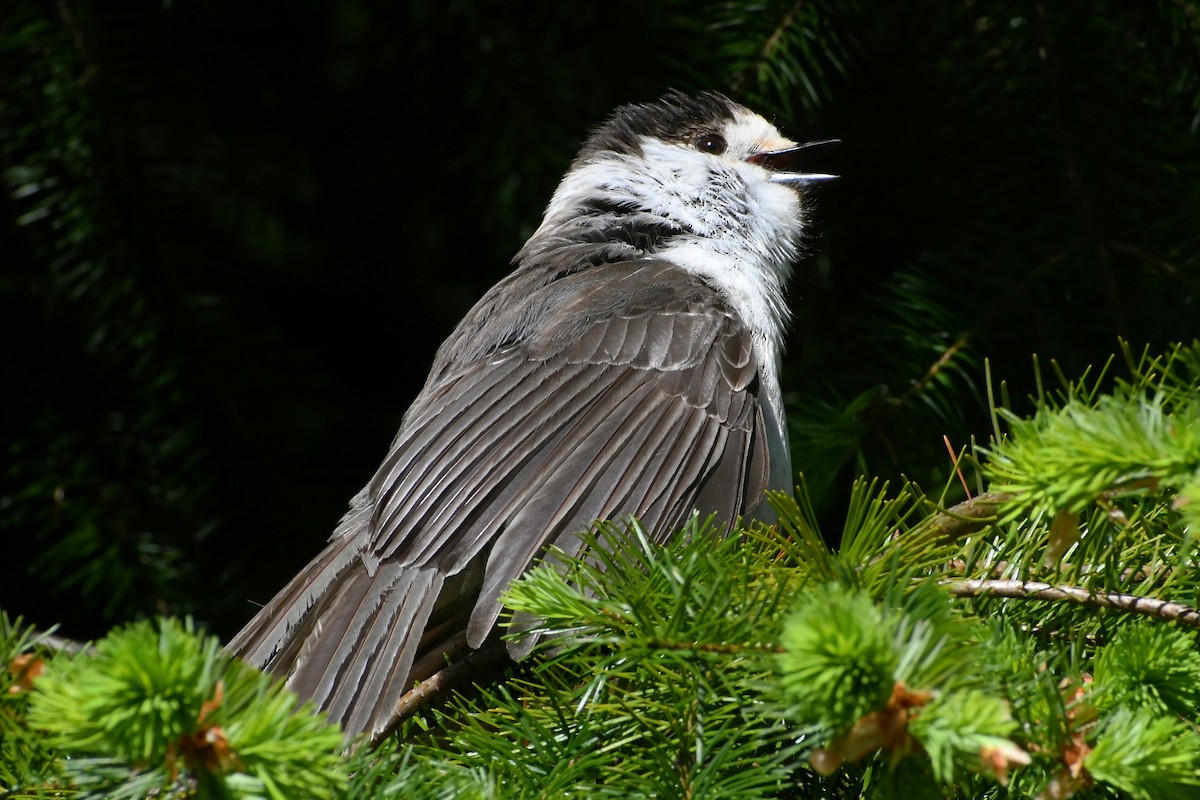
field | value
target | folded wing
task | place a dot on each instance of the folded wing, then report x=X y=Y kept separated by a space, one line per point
x=636 y=395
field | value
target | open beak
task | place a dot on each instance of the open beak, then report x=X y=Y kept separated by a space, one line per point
x=796 y=166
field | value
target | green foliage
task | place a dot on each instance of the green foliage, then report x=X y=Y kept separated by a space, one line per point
x=138 y=694
x=1017 y=179
x=1142 y=437
x=839 y=661
x=787 y=56
x=1153 y=668
x=1151 y=757
x=25 y=756
x=281 y=751
x=158 y=708
x=959 y=730
x=631 y=590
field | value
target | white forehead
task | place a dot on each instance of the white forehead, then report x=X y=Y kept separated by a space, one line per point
x=749 y=133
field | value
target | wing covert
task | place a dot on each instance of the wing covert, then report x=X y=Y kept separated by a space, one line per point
x=637 y=397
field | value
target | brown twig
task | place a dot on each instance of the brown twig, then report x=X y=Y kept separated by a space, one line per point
x=1036 y=590
x=965 y=518
x=476 y=666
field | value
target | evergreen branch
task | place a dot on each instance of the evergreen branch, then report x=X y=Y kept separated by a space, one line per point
x=949 y=525
x=945 y=357
x=1148 y=755
x=1156 y=667
x=158 y=708
x=768 y=48
x=1036 y=590
x=724 y=648
x=1137 y=439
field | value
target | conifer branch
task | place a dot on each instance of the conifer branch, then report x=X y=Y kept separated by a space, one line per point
x=723 y=648
x=1036 y=590
x=944 y=358
x=443 y=682
x=961 y=520
x=769 y=46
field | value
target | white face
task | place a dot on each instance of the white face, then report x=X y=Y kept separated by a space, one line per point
x=727 y=195
x=707 y=186
x=738 y=230
x=749 y=134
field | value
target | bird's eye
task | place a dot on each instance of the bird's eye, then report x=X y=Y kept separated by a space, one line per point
x=711 y=143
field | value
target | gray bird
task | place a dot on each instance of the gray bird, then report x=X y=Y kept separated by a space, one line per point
x=628 y=366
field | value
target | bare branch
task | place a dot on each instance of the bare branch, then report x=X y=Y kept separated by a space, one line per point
x=1036 y=590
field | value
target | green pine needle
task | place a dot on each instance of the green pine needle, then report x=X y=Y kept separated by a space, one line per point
x=1142 y=438
x=1147 y=755
x=958 y=729
x=158 y=705
x=1151 y=667
x=141 y=691
x=839 y=662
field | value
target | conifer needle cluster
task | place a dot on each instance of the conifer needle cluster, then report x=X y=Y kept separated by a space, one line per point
x=979 y=651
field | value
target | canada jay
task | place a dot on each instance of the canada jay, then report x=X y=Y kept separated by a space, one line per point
x=628 y=366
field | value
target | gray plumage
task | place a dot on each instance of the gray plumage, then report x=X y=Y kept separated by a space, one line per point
x=615 y=372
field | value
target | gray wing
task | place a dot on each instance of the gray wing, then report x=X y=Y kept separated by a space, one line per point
x=636 y=394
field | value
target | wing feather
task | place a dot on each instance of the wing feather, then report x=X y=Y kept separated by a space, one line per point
x=464 y=460
x=636 y=394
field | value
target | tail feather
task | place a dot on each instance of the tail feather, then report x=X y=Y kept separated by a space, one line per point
x=392 y=646
x=329 y=646
x=346 y=638
x=273 y=630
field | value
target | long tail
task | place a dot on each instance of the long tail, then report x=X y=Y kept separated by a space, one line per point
x=348 y=639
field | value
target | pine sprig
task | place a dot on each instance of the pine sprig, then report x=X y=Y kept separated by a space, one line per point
x=1082 y=446
x=142 y=691
x=1096 y=486
x=894 y=682
x=1075 y=455
x=1146 y=755
x=1150 y=667
x=839 y=663
x=632 y=592
x=965 y=731
x=27 y=760
x=783 y=54
x=160 y=708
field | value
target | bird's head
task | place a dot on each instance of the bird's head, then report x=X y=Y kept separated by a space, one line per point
x=684 y=172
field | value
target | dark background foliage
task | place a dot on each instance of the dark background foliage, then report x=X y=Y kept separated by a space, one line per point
x=232 y=235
